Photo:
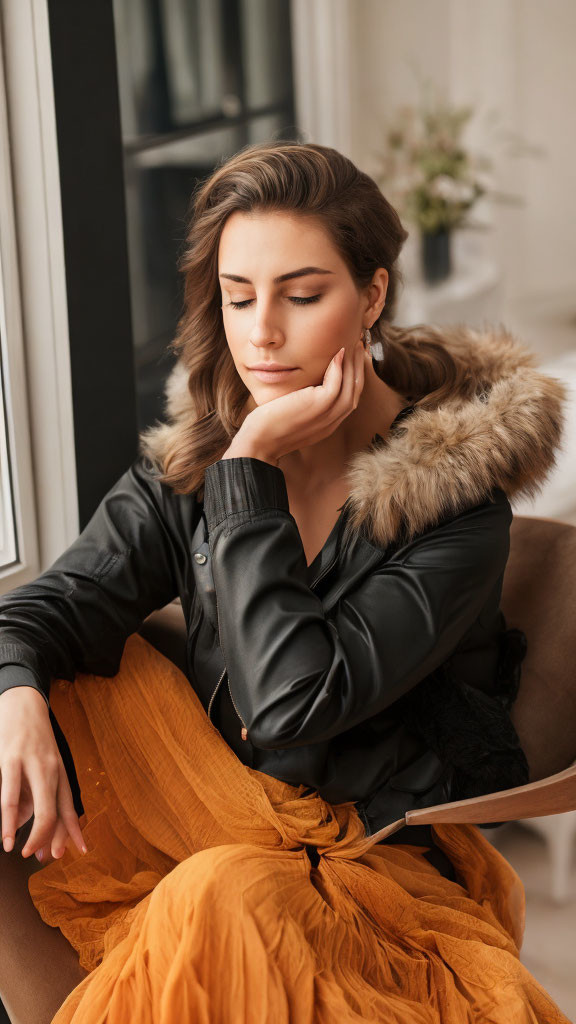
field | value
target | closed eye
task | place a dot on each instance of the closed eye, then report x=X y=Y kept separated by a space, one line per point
x=298 y=300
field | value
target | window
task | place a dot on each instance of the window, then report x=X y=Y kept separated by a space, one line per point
x=198 y=80
x=8 y=551
x=18 y=536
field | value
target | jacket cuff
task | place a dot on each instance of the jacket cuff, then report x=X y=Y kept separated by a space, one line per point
x=18 y=675
x=242 y=484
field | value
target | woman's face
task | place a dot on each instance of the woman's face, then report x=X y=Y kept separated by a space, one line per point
x=287 y=298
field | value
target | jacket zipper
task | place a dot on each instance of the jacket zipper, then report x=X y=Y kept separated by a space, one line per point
x=244 y=731
x=214 y=694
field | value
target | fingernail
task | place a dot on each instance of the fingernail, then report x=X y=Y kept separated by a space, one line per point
x=84 y=850
x=39 y=854
x=8 y=843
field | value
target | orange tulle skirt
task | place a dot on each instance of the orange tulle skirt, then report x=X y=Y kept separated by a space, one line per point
x=198 y=902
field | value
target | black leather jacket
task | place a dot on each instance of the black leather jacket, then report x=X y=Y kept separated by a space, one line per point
x=318 y=665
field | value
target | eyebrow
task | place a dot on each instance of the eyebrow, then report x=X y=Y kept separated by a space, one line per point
x=302 y=272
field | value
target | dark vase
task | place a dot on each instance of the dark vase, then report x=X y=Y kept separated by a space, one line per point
x=436 y=255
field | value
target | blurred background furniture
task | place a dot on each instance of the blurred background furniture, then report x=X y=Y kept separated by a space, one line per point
x=540 y=595
x=472 y=294
x=38 y=967
x=557 y=499
x=559 y=832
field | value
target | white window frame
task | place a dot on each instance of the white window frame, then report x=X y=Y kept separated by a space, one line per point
x=35 y=333
x=19 y=515
x=322 y=39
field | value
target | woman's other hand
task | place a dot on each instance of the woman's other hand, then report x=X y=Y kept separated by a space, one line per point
x=33 y=778
x=305 y=416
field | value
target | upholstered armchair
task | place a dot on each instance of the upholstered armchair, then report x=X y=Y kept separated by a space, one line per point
x=38 y=967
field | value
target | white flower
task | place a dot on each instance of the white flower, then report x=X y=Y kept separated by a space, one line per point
x=451 y=190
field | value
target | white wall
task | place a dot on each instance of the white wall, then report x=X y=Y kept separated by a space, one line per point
x=390 y=38
x=516 y=56
x=546 y=39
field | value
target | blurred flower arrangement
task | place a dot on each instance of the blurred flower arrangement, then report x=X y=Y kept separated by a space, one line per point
x=427 y=173
x=433 y=180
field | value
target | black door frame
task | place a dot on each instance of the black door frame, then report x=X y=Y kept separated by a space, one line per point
x=90 y=155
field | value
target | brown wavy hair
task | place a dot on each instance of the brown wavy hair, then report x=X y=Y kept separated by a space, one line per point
x=301 y=178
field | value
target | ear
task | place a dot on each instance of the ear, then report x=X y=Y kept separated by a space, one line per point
x=376 y=293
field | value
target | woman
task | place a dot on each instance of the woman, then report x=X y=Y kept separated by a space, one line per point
x=329 y=498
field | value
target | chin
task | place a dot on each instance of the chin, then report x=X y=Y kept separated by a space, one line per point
x=268 y=395
x=267 y=392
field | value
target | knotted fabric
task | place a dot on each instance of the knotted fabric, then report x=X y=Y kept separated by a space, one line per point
x=214 y=893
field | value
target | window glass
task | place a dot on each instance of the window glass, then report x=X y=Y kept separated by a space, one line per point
x=198 y=80
x=265 y=28
x=172 y=63
x=8 y=551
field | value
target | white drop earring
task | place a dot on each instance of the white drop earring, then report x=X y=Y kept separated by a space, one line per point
x=376 y=350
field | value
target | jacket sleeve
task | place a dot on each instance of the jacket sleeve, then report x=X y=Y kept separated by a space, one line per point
x=297 y=676
x=78 y=614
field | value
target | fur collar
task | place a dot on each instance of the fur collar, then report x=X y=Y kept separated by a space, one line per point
x=436 y=462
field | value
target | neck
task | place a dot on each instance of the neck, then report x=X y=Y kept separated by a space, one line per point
x=319 y=464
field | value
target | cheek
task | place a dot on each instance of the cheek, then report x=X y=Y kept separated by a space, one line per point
x=234 y=340
x=331 y=327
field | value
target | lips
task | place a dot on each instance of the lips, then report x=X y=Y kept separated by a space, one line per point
x=271 y=376
x=270 y=366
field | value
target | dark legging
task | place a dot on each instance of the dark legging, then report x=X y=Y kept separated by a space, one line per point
x=421 y=835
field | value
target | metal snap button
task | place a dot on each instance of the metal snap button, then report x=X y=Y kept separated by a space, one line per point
x=200 y=557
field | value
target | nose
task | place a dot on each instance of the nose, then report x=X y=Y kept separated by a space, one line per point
x=264 y=331
x=262 y=336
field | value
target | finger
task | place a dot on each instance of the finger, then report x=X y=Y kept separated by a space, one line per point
x=334 y=364
x=338 y=390
x=344 y=402
x=43 y=780
x=9 y=801
x=326 y=394
x=59 y=840
x=352 y=384
x=352 y=374
x=67 y=813
x=55 y=846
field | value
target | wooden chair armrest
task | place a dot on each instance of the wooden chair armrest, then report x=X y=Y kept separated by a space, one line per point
x=553 y=795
